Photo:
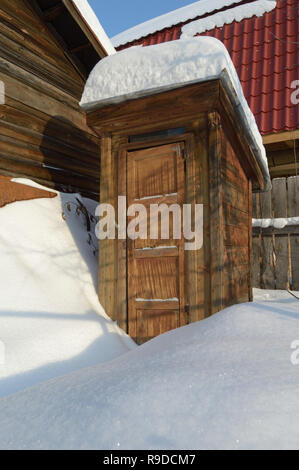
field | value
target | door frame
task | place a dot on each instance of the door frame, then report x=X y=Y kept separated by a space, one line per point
x=190 y=259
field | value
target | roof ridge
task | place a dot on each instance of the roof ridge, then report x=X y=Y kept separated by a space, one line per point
x=147 y=28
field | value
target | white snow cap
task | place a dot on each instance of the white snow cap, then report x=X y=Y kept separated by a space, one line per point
x=190 y=12
x=93 y=23
x=218 y=20
x=140 y=71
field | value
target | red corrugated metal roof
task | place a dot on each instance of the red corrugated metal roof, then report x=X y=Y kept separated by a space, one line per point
x=265 y=52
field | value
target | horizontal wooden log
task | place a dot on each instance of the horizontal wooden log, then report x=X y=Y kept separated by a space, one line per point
x=48 y=146
x=46 y=157
x=32 y=35
x=53 y=185
x=13 y=165
x=34 y=64
x=72 y=131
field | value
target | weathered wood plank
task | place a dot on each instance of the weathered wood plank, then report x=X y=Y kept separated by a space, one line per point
x=72 y=130
x=203 y=256
x=48 y=143
x=293 y=200
x=35 y=64
x=216 y=213
x=267 y=252
x=107 y=247
x=256 y=245
x=120 y=155
x=154 y=110
x=16 y=165
x=250 y=251
x=46 y=156
x=281 y=242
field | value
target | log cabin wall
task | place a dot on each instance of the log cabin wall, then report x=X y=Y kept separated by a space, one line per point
x=43 y=131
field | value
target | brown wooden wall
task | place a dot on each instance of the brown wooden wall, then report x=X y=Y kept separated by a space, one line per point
x=230 y=223
x=43 y=132
x=236 y=206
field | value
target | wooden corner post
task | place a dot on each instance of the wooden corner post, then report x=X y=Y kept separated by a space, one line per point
x=107 y=247
x=216 y=212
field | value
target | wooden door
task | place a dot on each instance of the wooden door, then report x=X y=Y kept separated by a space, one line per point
x=156 y=265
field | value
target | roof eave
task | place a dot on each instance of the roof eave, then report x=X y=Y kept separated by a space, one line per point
x=81 y=21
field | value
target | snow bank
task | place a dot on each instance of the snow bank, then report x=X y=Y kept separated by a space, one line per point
x=51 y=322
x=239 y=13
x=169 y=19
x=139 y=71
x=95 y=26
x=226 y=382
x=280 y=222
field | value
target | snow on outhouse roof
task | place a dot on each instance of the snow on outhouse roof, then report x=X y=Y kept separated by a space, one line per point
x=194 y=10
x=138 y=71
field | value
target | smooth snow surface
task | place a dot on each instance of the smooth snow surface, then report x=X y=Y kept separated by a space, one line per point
x=169 y=19
x=239 y=13
x=51 y=322
x=226 y=382
x=92 y=21
x=139 y=71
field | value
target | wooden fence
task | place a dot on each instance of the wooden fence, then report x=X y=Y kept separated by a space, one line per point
x=275 y=251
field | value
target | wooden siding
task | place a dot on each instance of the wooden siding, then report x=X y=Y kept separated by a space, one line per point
x=234 y=189
x=43 y=131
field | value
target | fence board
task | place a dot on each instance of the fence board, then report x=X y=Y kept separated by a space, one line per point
x=281 y=244
x=256 y=255
x=267 y=252
x=293 y=201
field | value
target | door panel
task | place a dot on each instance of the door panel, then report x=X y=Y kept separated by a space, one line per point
x=156 y=266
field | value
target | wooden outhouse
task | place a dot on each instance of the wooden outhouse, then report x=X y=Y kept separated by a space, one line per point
x=186 y=146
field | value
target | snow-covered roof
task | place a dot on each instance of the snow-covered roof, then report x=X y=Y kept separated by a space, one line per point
x=239 y=13
x=138 y=71
x=92 y=21
x=193 y=11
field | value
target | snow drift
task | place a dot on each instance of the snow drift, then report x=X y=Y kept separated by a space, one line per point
x=226 y=382
x=51 y=321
